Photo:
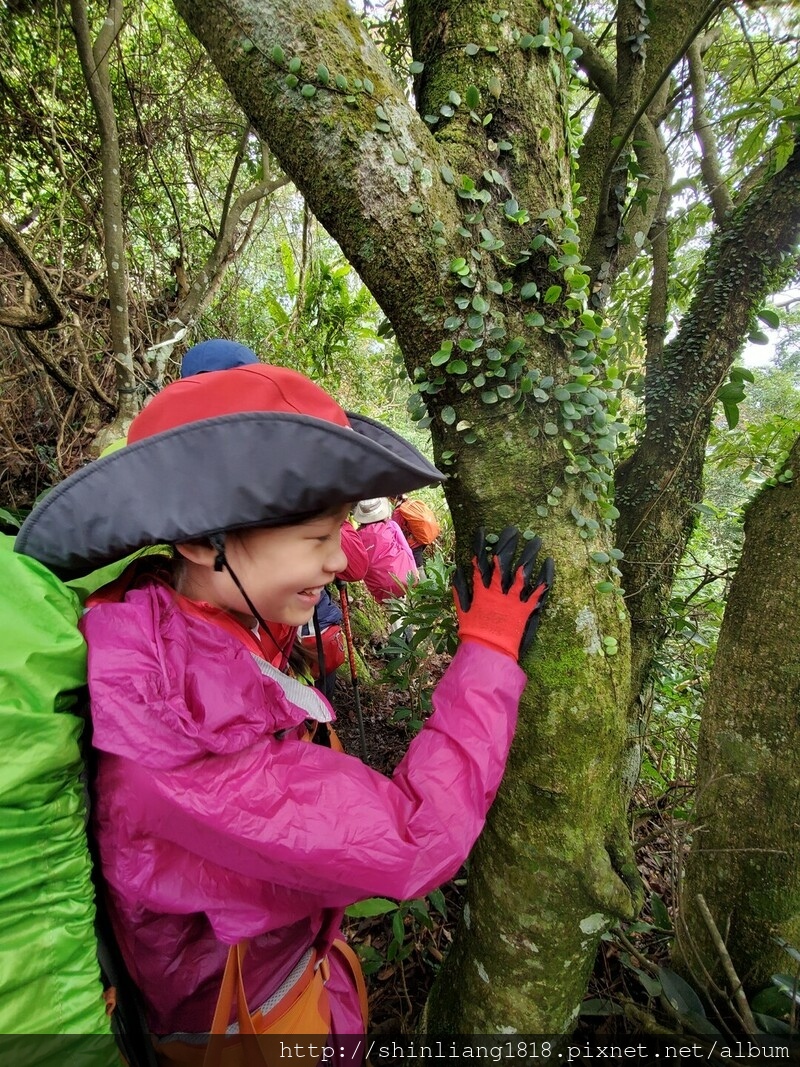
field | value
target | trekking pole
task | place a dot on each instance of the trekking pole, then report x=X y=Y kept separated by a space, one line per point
x=320 y=684
x=351 y=655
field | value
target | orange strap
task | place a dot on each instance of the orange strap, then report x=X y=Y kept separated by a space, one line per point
x=353 y=962
x=304 y=1010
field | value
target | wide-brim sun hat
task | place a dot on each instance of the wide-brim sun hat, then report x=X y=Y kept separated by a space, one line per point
x=231 y=449
x=375 y=510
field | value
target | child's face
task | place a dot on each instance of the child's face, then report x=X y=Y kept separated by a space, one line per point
x=281 y=568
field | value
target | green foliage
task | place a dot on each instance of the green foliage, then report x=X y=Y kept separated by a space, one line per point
x=672 y=1002
x=753 y=450
x=406 y=920
x=426 y=631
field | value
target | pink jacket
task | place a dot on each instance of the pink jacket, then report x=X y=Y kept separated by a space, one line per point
x=357 y=559
x=215 y=823
x=390 y=559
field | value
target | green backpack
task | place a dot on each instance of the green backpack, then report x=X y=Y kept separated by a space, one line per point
x=49 y=974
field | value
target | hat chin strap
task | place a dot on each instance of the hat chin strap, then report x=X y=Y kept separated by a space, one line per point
x=221 y=563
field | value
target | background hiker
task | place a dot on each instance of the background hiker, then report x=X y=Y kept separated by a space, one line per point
x=216 y=824
x=418 y=523
x=391 y=562
x=216 y=354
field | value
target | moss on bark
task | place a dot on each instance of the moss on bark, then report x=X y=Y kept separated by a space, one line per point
x=745 y=857
x=552 y=869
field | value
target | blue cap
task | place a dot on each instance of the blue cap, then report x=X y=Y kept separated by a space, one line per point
x=216 y=355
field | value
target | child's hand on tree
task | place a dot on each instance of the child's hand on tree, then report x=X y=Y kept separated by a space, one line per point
x=504 y=609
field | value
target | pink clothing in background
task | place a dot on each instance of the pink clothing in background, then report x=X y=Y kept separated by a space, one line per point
x=357 y=558
x=391 y=560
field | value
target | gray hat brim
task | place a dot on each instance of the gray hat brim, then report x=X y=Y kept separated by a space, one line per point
x=205 y=477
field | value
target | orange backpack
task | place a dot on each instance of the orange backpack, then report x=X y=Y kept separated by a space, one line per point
x=418 y=522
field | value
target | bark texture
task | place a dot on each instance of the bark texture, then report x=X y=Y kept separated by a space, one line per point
x=553 y=868
x=745 y=858
x=660 y=485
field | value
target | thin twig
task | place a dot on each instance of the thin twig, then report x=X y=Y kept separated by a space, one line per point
x=727 y=965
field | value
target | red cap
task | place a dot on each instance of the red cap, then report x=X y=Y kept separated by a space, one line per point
x=229 y=392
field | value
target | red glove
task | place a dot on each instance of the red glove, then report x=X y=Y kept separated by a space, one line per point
x=505 y=607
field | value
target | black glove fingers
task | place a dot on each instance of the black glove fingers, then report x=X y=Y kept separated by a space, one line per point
x=504 y=551
x=544 y=577
x=479 y=551
x=527 y=561
x=462 y=589
x=529 y=632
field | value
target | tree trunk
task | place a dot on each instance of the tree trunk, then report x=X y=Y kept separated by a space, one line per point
x=95 y=64
x=745 y=857
x=659 y=487
x=441 y=227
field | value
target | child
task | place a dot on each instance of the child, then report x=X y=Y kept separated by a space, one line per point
x=222 y=835
x=391 y=562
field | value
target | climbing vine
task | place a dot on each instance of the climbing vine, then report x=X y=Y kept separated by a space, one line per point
x=541 y=280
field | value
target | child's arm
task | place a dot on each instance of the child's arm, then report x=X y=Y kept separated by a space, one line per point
x=307 y=819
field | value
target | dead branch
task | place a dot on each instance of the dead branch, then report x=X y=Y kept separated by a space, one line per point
x=16 y=318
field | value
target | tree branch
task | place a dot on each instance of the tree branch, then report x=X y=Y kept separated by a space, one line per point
x=29 y=320
x=708 y=12
x=737 y=990
x=594 y=65
x=709 y=157
x=94 y=63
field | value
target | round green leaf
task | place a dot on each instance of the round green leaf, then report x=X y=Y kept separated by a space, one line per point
x=308 y=90
x=448 y=416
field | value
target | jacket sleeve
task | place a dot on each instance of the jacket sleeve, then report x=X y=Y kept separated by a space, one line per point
x=357 y=558
x=322 y=823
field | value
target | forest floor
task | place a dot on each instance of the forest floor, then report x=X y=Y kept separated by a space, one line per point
x=401 y=949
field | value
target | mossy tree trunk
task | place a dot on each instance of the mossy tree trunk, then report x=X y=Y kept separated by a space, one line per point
x=745 y=857
x=433 y=219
